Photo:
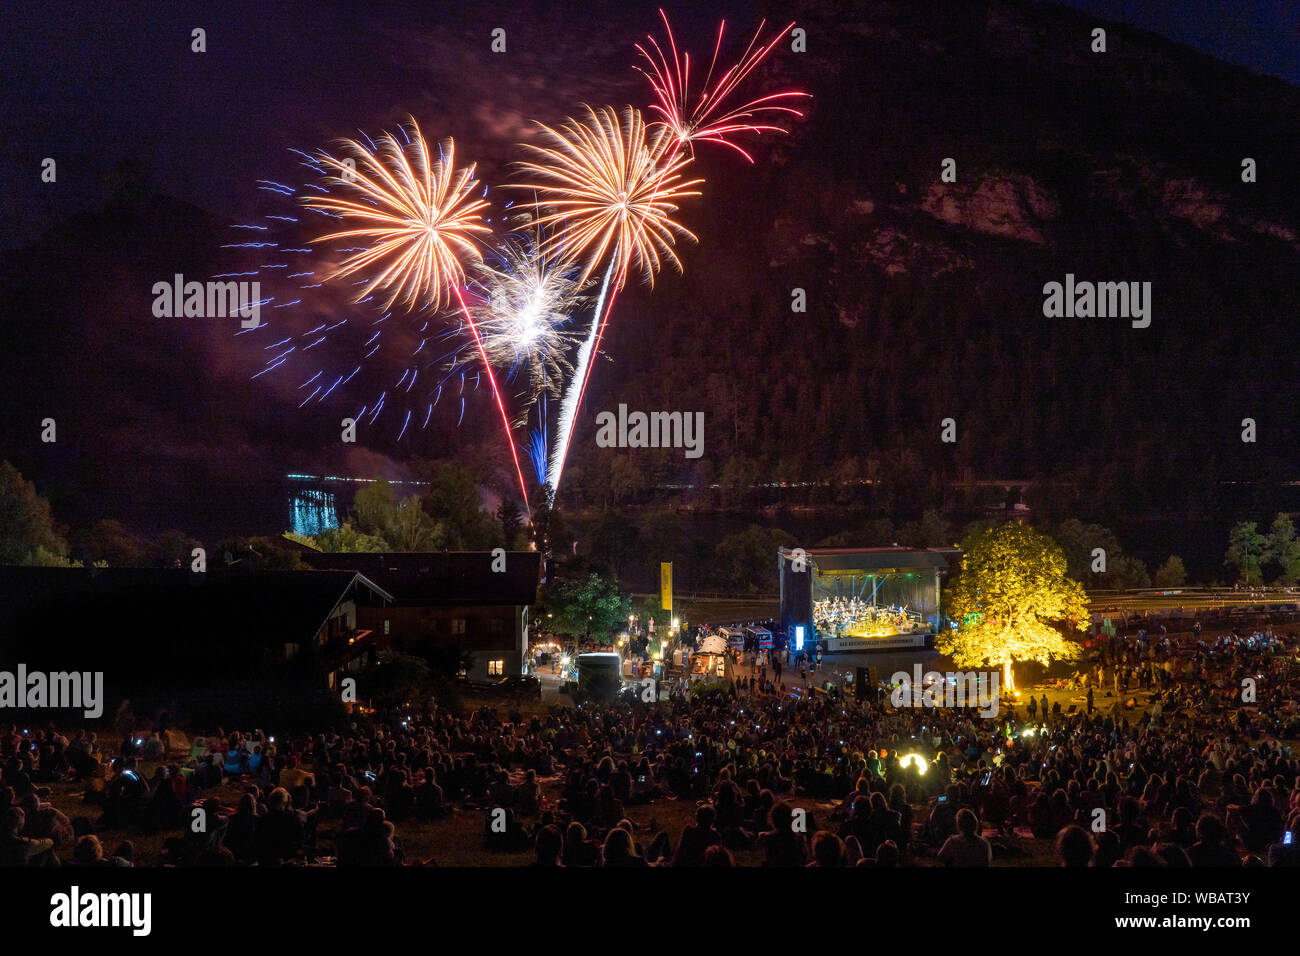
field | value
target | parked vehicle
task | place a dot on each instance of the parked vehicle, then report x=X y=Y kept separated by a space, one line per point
x=514 y=685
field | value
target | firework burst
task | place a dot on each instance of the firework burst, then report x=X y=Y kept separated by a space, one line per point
x=527 y=300
x=606 y=190
x=706 y=115
x=606 y=184
x=420 y=216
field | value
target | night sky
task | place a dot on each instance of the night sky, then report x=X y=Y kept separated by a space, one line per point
x=1005 y=86
x=122 y=84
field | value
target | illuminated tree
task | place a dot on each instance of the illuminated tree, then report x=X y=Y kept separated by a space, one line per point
x=402 y=522
x=1013 y=589
x=28 y=534
x=591 y=607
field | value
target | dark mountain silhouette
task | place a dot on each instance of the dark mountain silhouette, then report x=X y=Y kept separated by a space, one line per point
x=924 y=302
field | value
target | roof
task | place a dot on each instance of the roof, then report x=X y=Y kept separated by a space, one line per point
x=876 y=559
x=227 y=606
x=713 y=644
x=449 y=578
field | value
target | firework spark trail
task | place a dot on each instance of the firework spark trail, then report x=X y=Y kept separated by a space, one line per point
x=573 y=397
x=537 y=444
x=496 y=395
x=608 y=189
x=709 y=119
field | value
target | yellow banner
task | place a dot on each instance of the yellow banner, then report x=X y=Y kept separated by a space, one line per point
x=666 y=585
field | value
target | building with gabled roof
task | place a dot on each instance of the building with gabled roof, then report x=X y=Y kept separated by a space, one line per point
x=190 y=641
x=472 y=603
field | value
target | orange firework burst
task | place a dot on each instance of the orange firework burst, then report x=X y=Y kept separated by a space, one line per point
x=417 y=214
x=604 y=183
x=706 y=116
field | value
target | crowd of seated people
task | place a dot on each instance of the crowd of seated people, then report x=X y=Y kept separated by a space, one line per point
x=1193 y=777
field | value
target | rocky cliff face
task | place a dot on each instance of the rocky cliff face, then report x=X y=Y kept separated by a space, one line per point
x=1011 y=205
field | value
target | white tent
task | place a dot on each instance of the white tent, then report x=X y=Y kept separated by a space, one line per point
x=713 y=644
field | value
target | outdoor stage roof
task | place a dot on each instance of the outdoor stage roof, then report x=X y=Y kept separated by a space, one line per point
x=877 y=559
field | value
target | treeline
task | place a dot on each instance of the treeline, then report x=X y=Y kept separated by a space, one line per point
x=447 y=516
x=743 y=560
x=728 y=553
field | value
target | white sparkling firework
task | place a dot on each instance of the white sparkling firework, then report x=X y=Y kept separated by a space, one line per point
x=527 y=300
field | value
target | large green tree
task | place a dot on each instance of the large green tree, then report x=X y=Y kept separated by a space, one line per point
x=1283 y=550
x=452 y=500
x=395 y=679
x=402 y=522
x=592 y=605
x=1127 y=573
x=1013 y=593
x=28 y=534
x=1246 y=552
x=1079 y=542
x=746 y=561
x=106 y=540
x=1171 y=574
x=932 y=531
x=512 y=525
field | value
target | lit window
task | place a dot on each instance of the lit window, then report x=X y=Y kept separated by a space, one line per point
x=496 y=668
x=458 y=625
x=385 y=625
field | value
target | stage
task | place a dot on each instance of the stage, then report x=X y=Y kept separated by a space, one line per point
x=853 y=600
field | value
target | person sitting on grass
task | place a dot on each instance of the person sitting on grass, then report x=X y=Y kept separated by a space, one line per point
x=45 y=821
x=279 y=835
x=966 y=847
x=18 y=850
x=578 y=850
x=620 y=851
x=1074 y=847
x=90 y=852
x=429 y=799
x=697 y=838
x=827 y=850
x=782 y=846
x=548 y=846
